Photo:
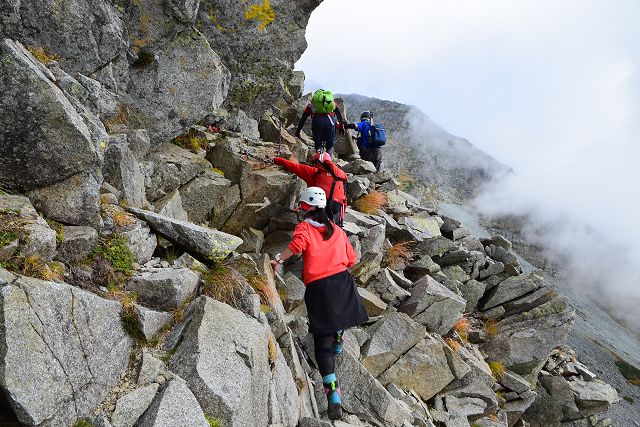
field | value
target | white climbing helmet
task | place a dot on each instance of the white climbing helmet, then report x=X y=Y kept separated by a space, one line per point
x=314 y=196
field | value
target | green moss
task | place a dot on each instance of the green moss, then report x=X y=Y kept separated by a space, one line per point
x=11 y=227
x=83 y=423
x=213 y=422
x=628 y=399
x=116 y=251
x=131 y=324
x=58 y=228
x=265 y=308
x=7 y=237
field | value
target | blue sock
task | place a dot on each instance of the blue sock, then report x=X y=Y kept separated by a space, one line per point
x=338 y=341
x=331 y=388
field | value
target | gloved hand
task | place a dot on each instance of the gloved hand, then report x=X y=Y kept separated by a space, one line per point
x=297 y=134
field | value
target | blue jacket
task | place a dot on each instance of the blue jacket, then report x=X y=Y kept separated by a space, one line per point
x=364 y=128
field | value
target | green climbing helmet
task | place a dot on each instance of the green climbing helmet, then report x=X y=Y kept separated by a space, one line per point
x=322 y=102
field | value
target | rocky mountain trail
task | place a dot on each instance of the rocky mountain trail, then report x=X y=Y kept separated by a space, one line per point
x=139 y=209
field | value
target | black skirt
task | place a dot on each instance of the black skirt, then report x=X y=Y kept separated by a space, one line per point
x=333 y=304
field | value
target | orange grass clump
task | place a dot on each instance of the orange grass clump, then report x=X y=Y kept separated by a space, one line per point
x=371 y=203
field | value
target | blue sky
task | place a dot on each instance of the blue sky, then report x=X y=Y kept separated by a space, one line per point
x=550 y=88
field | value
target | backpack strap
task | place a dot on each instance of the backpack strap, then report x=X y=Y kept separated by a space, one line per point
x=335 y=179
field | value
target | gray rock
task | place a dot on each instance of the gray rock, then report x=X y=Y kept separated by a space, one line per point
x=372 y=303
x=554 y=402
x=385 y=286
x=401 y=280
x=199 y=241
x=175 y=405
x=151 y=321
x=510 y=289
x=498 y=241
x=150 y=367
x=423 y=226
x=514 y=382
x=352 y=229
x=294 y=290
x=43 y=141
x=284 y=403
x=122 y=170
x=74 y=201
x=210 y=198
x=455 y=272
x=525 y=341
x=252 y=241
x=169 y=167
x=357 y=186
x=77 y=243
x=436 y=246
x=181 y=95
x=296 y=84
x=501 y=254
x=423 y=369
x=139 y=143
x=39 y=239
x=171 y=206
x=433 y=305
x=491 y=269
x=359 y=167
x=184 y=10
x=285 y=221
x=141 y=241
x=472 y=291
x=593 y=397
x=390 y=338
x=223 y=357
x=372 y=254
x=360 y=219
x=418 y=269
x=364 y=396
x=312 y=422
x=58 y=340
x=163 y=288
x=132 y=405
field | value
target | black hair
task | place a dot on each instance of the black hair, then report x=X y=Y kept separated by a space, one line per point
x=320 y=215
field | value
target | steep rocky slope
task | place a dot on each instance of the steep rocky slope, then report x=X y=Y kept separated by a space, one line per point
x=137 y=218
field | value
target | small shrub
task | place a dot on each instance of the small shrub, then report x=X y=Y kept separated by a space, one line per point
x=497 y=369
x=191 y=141
x=371 y=203
x=462 y=327
x=399 y=255
x=491 y=327
x=115 y=249
x=629 y=399
x=213 y=422
x=42 y=55
x=121 y=218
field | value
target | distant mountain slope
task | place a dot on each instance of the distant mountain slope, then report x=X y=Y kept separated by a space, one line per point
x=450 y=167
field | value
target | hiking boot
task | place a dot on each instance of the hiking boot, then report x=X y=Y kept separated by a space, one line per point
x=334 y=411
x=338 y=342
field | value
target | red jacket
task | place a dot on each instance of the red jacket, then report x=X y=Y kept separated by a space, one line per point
x=321 y=258
x=317 y=176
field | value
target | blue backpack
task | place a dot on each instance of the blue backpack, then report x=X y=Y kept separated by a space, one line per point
x=377 y=136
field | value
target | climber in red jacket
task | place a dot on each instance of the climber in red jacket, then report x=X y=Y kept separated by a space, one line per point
x=332 y=300
x=325 y=174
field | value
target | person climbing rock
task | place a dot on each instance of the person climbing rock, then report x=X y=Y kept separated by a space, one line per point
x=325 y=119
x=368 y=146
x=332 y=300
x=325 y=174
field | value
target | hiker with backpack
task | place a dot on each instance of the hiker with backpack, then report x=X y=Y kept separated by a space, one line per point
x=325 y=174
x=332 y=300
x=325 y=119
x=370 y=138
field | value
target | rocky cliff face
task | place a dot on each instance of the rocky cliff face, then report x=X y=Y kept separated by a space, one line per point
x=137 y=218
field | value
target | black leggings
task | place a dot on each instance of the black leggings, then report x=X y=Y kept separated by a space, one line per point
x=325 y=357
x=324 y=133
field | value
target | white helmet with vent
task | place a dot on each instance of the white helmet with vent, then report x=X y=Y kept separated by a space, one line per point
x=314 y=196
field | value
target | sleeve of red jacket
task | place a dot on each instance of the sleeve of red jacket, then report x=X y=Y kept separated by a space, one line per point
x=300 y=240
x=305 y=172
x=351 y=253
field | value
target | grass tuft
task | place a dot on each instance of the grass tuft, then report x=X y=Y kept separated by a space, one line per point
x=273 y=351
x=191 y=141
x=268 y=294
x=121 y=218
x=453 y=344
x=497 y=369
x=628 y=371
x=371 y=203
x=399 y=255
x=220 y=285
x=58 y=228
x=42 y=55
x=213 y=422
x=11 y=227
x=491 y=328
x=462 y=327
